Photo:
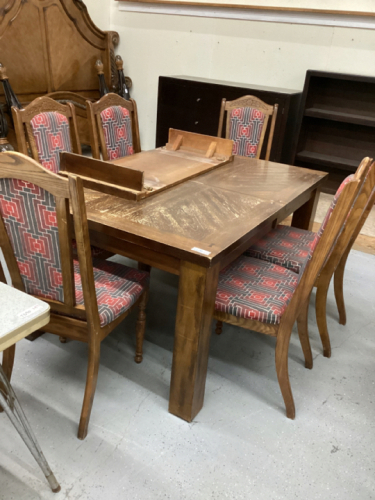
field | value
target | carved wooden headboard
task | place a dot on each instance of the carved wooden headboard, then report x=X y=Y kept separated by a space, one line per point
x=52 y=45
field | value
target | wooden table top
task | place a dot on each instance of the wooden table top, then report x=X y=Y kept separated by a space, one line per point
x=163 y=168
x=200 y=219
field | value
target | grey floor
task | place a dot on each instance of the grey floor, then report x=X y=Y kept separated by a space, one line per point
x=241 y=445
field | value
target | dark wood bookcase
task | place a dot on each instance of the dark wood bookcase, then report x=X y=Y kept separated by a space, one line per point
x=336 y=125
x=193 y=104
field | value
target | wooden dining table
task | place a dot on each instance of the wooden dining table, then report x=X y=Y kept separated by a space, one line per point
x=193 y=230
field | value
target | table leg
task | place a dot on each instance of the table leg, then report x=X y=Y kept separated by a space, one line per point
x=196 y=302
x=303 y=218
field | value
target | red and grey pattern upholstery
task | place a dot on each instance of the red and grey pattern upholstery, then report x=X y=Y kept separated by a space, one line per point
x=333 y=204
x=255 y=289
x=51 y=134
x=245 y=129
x=29 y=215
x=117 y=288
x=285 y=246
x=291 y=247
x=117 y=130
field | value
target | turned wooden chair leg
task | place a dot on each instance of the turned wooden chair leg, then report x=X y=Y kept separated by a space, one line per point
x=281 y=358
x=140 y=328
x=219 y=327
x=338 y=282
x=321 y=316
x=91 y=380
x=303 y=333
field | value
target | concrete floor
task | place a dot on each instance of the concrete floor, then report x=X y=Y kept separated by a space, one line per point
x=241 y=445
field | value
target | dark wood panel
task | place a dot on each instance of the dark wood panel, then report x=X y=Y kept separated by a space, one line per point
x=336 y=124
x=194 y=105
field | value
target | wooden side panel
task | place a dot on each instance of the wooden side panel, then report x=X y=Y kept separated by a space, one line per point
x=24 y=56
x=50 y=45
x=71 y=57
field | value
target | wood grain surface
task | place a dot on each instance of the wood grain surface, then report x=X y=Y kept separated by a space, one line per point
x=194 y=229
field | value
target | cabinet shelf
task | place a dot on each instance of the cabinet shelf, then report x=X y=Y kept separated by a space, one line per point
x=341 y=116
x=336 y=124
x=328 y=160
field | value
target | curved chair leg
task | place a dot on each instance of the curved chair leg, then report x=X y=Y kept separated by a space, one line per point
x=13 y=409
x=281 y=358
x=338 y=282
x=91 y=380
x=303 y=333
x=321 y=316
x=219 y=327
x=140 y=328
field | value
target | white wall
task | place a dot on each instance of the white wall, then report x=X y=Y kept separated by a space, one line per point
x=239 y=51
x=100 y=11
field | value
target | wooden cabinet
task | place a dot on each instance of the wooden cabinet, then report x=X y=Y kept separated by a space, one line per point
x=193 y=104
x=336 y=126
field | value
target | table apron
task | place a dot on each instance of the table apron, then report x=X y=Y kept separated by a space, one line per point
x=136 y=252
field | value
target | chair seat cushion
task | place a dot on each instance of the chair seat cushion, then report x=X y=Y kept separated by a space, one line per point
x=285 y=246
x=255 y=289
x=117 y=288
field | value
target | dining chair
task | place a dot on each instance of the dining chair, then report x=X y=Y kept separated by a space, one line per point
x=291 y=248
x=47 y=127
x=267 y=298
x=246 y=125
x=20 y=314
x=114 y=129
x=88 y=297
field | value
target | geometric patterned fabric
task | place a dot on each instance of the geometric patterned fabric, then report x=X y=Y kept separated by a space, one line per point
x=255 y=289
x=291 y=247
x=333 y=203
x=245 y=129
x=117 y=129
x=117 y=288
x=51 y=134
x=29 y=215
x=285 y=246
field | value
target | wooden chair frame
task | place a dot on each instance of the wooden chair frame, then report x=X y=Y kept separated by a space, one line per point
x=68 y=319
x=340 y=269
x=95 y=126
x=335 y=264
x=298 y=306
x=249 y=101
x=24 y=133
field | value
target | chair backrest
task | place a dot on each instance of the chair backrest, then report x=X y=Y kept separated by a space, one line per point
x=35 y=234
x=365 y=214
x=48 y=127
x=343 y=219
x=114 y=130
x=343 y=240
x=246 y=125
x=360 y=174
